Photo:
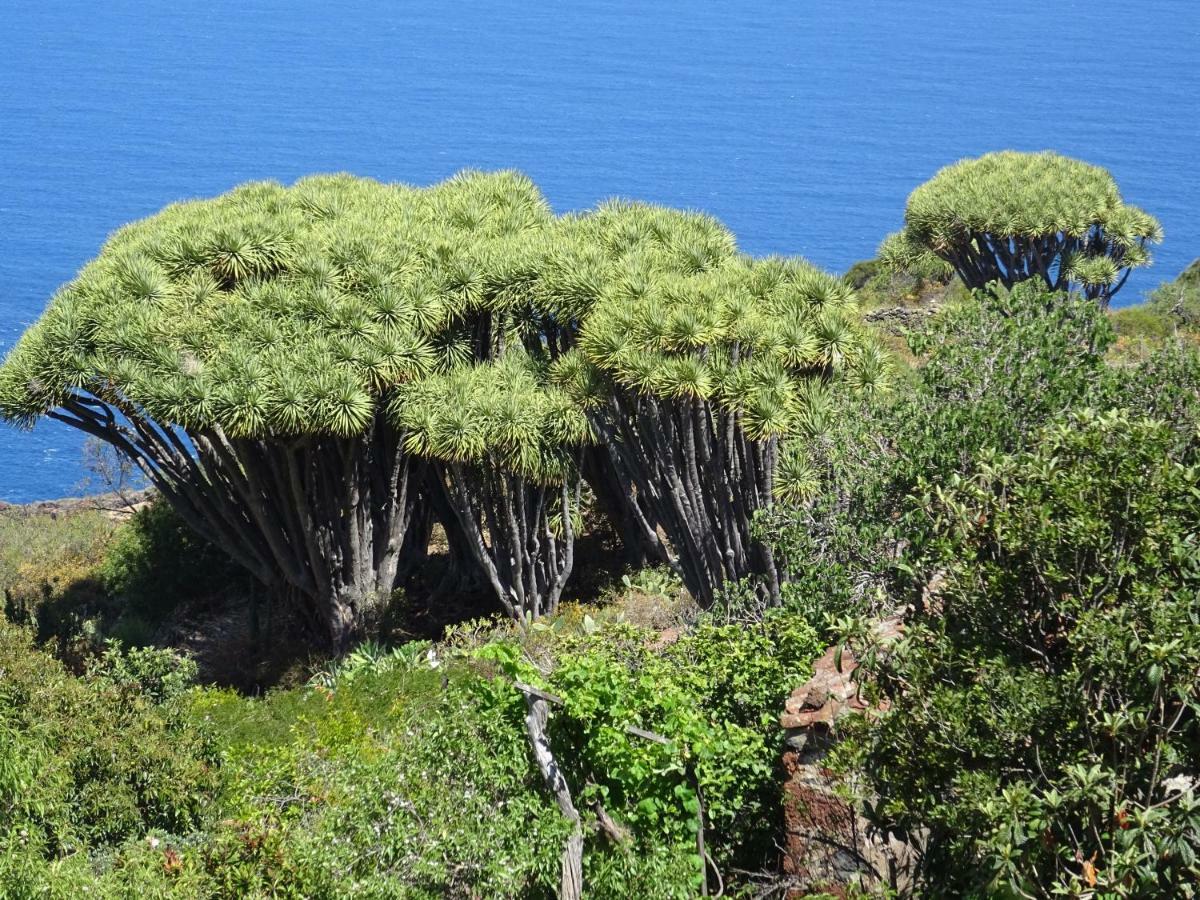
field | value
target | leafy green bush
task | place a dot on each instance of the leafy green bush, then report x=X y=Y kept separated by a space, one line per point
x=1165 y=386
x=399 y=772
x=1044 y=732
x=1179 y=300
x=992 y=371
x=161 y=675
x=392 y=784
x=87 y=765
x=1141 y=323
x=713 y=694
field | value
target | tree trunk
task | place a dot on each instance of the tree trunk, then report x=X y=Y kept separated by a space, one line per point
x=703 y=481
x=321 y=520
x=508 y=521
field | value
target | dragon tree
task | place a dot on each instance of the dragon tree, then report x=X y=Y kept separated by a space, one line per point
x=694 y=377
x=505 y=447
x=310 y=374
x=1012 y=216
x=243 y=352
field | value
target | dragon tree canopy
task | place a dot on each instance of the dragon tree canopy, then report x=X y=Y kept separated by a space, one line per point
x=276 y=310
x=305 y=371
x=1009 y=216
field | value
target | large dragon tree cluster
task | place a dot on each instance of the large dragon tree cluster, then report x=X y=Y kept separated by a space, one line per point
x=312 y=374
x=1011 y=216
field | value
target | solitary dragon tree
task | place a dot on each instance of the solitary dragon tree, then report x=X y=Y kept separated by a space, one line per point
x=1012 y=216
x=309 y=373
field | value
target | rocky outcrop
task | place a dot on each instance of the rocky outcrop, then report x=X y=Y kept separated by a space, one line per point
x=829 y=846
x=112 y=504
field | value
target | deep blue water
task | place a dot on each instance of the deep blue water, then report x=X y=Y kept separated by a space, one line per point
x=802 y=125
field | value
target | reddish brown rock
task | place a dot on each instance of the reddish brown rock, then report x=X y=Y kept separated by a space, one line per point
x=829 y=846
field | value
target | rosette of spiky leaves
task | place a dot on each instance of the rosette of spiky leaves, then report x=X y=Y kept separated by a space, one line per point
x=275 y=309
x=741 y=337
x=242 y=350
x=1010 y=216
x=693 y=377
x=506 y=446
x=499 y=415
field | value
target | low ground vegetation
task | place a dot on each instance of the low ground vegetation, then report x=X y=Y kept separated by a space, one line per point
x=399 y=774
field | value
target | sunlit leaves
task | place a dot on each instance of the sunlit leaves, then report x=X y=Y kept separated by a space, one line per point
x=305 y=305
x=501 y=414
x=1010 y=216
x=276 y=310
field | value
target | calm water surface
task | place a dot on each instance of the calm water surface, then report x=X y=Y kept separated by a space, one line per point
x=802 y=125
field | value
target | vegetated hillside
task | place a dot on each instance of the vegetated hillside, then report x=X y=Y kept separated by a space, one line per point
x=1011 y=481
x=406 y=771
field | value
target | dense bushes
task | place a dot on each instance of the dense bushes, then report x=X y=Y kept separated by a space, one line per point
x=991 y=372
x=1179 y=300
x=1035 y=510
x=713 y=694
x=89 y=764
x=398 y=775
x=1045 y=728
x=156 y=562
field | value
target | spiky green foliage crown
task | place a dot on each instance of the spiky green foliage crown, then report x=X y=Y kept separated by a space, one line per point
x=501 y=414
x=279 y=310
x=745 y=335
x=1025 y=195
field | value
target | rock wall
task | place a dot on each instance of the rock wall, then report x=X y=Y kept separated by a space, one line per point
x=829 y=847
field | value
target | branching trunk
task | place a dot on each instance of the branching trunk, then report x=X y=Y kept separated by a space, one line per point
x=983 y=258
x=510 y=525
x=320 y=520
x=618 y=501
x=703 y=480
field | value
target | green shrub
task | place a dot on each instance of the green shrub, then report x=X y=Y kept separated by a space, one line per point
x=1165 y=386
x=87 y=764
x=1141 y=323
x=714 y=694
x=992 y=371
x=1044 y=732
x=393 y=783
x=161 y=675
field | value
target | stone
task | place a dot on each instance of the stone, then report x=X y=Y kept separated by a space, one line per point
x=829 y=846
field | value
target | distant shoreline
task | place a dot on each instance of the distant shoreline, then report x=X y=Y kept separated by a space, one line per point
x=110 y=502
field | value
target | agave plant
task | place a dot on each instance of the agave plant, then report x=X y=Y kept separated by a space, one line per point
x=242 y=351
x=505 y=447
x=1012 y=216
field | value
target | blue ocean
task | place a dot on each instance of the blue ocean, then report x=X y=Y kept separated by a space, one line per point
x=802 y=125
